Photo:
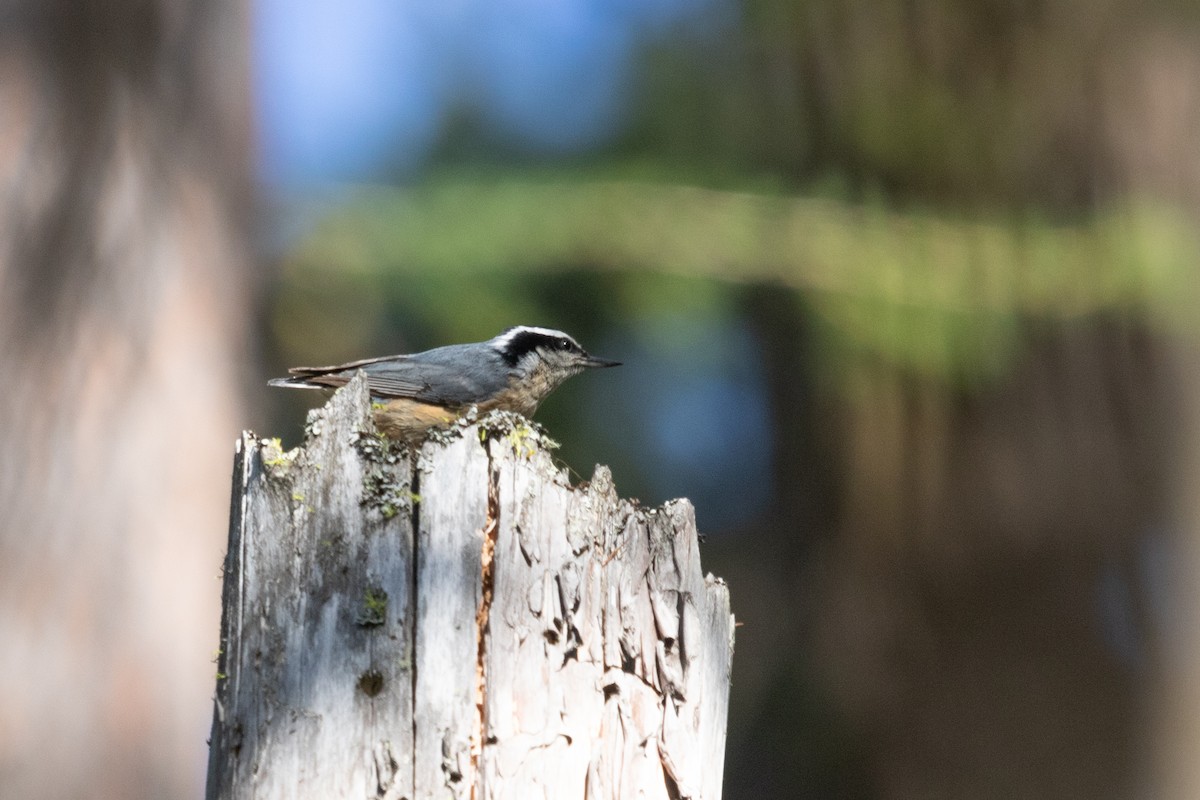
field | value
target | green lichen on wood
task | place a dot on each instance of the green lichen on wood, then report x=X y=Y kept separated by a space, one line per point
x=523 y=435
x=276 y=460
x=373 y=611
x=382 y=490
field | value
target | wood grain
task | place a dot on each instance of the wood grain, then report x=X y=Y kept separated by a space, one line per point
x=460 y=622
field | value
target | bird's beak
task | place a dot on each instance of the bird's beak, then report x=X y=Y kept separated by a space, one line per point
x=592 y=361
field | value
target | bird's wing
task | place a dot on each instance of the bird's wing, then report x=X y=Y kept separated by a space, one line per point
x=401 y=377
x=451 y=375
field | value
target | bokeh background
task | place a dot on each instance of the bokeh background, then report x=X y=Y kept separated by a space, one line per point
x=906 y=293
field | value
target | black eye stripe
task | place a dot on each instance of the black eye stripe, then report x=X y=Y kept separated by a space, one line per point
x=526 y=341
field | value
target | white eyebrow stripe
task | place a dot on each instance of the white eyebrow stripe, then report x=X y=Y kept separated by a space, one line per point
x=503 y=340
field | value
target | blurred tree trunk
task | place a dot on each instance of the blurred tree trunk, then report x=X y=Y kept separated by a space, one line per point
x=123 y=144
x=1154 y=127
x=976 y=625
x=1178 y=701
x=986 y=618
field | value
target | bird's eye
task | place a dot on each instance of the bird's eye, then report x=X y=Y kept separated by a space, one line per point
x=564 y=344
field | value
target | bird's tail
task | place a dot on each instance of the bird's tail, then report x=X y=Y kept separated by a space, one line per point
x=294 y=382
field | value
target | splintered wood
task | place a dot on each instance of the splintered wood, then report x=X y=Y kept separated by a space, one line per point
x=472 y=627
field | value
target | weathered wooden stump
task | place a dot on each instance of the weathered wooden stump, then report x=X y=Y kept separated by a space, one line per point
x=468 y=627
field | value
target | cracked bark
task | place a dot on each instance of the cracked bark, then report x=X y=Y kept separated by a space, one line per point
x=502 y=634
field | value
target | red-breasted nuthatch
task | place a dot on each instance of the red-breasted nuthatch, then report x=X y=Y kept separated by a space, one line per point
x=514 y=371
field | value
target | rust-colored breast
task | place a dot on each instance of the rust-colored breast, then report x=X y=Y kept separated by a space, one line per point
x=520 y=401
x=406 y=420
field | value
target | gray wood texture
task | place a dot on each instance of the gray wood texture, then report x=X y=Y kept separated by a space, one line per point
x=460 y=623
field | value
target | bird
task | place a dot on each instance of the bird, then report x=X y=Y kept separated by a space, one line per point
x=411 y=394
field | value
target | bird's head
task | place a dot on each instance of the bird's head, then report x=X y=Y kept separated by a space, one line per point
x=545 y=354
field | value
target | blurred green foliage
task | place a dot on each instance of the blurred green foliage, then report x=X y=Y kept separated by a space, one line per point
x=942 y=294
